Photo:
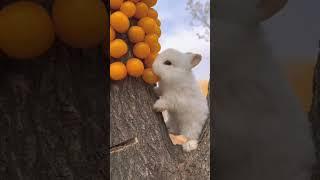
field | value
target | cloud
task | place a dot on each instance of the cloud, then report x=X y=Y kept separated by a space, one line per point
x=185 y=39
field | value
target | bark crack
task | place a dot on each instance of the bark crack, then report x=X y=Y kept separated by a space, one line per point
x=124 y=145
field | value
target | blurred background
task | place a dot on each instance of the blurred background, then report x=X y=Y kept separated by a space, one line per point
x=294 y=34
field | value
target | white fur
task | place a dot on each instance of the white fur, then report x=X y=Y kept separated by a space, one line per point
x=190 y=145
x=262 y=132
x=180 y=96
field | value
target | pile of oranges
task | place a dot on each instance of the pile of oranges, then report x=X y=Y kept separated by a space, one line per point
x=28 y=30
x=134 y=39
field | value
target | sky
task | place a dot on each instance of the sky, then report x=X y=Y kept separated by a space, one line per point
x=179 y=34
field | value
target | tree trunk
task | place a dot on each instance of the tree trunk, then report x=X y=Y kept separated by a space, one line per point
x=53 y=115
x=140 y=144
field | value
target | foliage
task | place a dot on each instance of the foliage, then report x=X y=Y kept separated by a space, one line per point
x=200 y=12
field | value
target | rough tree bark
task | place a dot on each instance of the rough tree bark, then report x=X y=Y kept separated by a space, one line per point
x=140 y=144
x=53 y=115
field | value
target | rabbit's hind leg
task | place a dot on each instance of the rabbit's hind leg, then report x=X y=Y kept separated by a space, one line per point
x=172 y=126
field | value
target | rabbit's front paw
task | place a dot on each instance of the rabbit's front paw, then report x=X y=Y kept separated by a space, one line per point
x=190 y=145
x=159 y=105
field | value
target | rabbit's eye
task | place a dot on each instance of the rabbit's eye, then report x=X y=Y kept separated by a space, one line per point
x=167 y=63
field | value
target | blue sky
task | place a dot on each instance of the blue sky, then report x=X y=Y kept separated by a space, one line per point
x=179 y=34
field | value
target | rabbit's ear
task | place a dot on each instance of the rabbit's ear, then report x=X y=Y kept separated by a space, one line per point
x=195 y=59
x=270 y=8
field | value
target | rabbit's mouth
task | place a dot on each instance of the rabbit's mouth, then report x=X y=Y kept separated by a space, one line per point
x=155 y=69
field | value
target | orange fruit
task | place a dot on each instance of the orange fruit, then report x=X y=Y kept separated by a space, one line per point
x=157 y=31
x=119 y=21
x=155 y=47
x=136 y=34
x=158 y=22
x=150 y=59
x=112 y=34
x=148 y=24
x=135 y=67
x=135 y=1
x=85 y=32
x=149 y=77
x=118 y=71
x=141 y=10
x=151 y=39
x=26 y=30
x=115 y=4
x=150 y=3
x=118 y=48
x=152 y=13
x=141 y=50
x=128 y=8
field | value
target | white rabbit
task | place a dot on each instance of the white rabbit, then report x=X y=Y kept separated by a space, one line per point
x=180 y=95
x=262 y=132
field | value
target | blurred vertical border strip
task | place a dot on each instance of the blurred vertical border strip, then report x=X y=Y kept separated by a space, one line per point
x=106 y=66
x=211 y=94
